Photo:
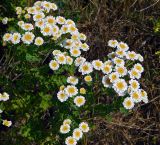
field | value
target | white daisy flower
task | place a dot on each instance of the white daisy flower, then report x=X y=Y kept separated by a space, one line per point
x=131 y=55
x=84 y=47
x=65 y=128
x=79 y=101
x=55 y=30
x=27 y=27
x=75 y=52
x=7 y=123
x=27 y=16
x=46 y=30
x=7 y=37
x=68 y=44
x=40 y=24
x=31 y=10
x=121 y=70
x=60 y=20
x=138 y=67
x=120 y=86
x=54 y=65
x=38 y=17
x=28 y=37
x=46 y=5
x=106 y=69
x=136 y=96
x=144 y=96
x=134 y=84
x=64 y=29
x=128 y=103
x=39 y=41
x=70 y=141
x=84 y=127
x=77 y=134
x=86 y=68
x=69 y=60
x=79 y=60
x=140 y=58
x=122 y=46
x=75 y=36
x=72 y=80
x=20 y=23
x=70 y=22
x=71 y=90
x=62 y=96
x=72 y=29
x=37 y=3
x=5 y=20
x=88 y=78
x=50 y=20
x=54 y=6
x=4 y=96
x=119 y=62
x=113 y=77
x=120 y=53
x=134 y=74
x=113 y=43
x=56 y=52
x=111 y=55
x=106 y=81
x=16 y=38
x=97 y=64
x=82 y=37
x=61 y=59
x=67 y=121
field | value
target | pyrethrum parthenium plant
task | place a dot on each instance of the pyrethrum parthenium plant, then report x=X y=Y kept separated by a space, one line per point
x=57 y=100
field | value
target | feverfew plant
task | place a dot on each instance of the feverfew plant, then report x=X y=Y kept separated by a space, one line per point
x=120 y=73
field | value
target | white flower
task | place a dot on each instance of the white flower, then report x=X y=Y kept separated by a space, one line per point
x=106 y=81
x=61 y=59
x=79 y=60
x=27 y=16
x=1 y=111
x=70 y=141
x=84 y=47
x=64 y=29
x=140 y=58
x=138 y=67
x=134 y=74
x=106 y=69
x=120 y=53
x=39 y=16
x=88 y=78
x=128 y=103
x=40 y=24
x=4 y=96
x=50 y=20
x=20 y=23
x=7 y=123
x=131 y=55
x=144 y=96
x=134 y=84
x=68 y=44
x=75 y=52
x=65 y=128
x=82 y=36
x=72 y=80
x=77 y=134
x=113 y=43
x=16 y=38
x=27 y=27
x=56 y=52
x=79 y=101
x=60 y=20
x=84 y=126
x=72 y=29
x=70 y=22
x=136 y=96
x=7 y=37
x=97 y=64
x=54 y=6
x=46 y=30
x=28 y=37
x=69 y=60
x=62 y=96
x=122 y=46
x=71 y=90
x=120 y=86
x=55 y=30
x=67 y=121
x=111 y=55
x=5 y=20
x=118 y=61
x=121 y=70
x=46 y=5
x=86 y=68
x=39 y=41
x=54 y=65
x=113 y=77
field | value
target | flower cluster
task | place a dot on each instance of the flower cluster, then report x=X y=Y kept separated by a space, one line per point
x=5 y=97
x=77 y=133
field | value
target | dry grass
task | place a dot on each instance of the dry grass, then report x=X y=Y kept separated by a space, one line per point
x=129 y=21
